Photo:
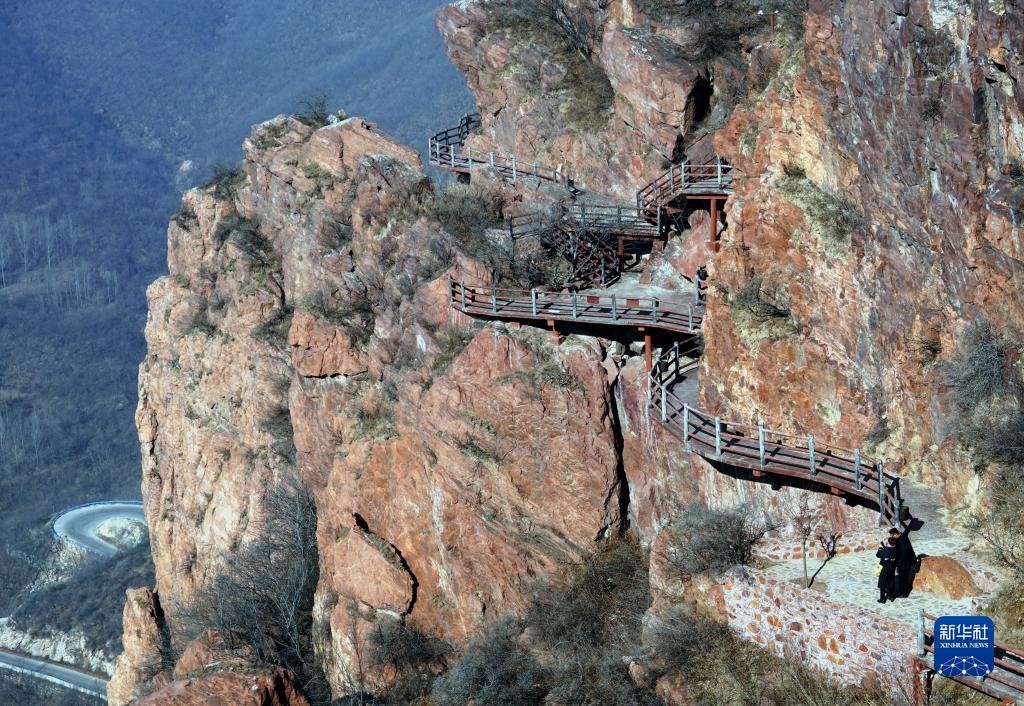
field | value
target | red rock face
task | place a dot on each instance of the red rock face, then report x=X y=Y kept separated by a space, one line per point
x=305 y=320
x=248 y=686
x=306 y=317
x=931 y=250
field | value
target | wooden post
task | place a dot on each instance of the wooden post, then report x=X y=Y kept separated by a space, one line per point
x=513 y=169
x=689 y=317
x=686 y=423
x=622 y=251
x=615 y=313
x=718 y=436
x=574 y=313
x=533 y=300
x=675 y=352
x=654 y=310
x=664 y=408
x=881 y=490
x=462 y=286
x=494 y=300
x=492 y=158
x=920 y=633
x=647 y=351
x=760 y=444
x=554 y=332
x=451 y=290
x=713 y=236
x=810 y=453
x=469 y=152
x=718 y=161
x=601 y=265
x=856 y=468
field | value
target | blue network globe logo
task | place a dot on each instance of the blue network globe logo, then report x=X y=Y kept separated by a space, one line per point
x=964 y=646
x=964 y=667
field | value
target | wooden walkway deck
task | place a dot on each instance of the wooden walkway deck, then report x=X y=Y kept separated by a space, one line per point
x=595 y=309
x=447 y=150
x=846 y=472
x=710 y=179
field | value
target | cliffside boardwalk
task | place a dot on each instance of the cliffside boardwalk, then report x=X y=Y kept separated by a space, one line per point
x=448 y=150
x=765 y=453
x=748 y=452
x=711 y=181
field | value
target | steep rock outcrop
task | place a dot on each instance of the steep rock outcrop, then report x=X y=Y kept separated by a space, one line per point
x=305 y=323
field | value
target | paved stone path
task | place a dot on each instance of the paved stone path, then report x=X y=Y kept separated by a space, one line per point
x=850 y=578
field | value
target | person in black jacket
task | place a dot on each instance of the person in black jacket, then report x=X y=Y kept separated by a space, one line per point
x=906 y=561
x=887 y=578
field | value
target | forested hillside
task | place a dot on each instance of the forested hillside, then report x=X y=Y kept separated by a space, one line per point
x=100 y=106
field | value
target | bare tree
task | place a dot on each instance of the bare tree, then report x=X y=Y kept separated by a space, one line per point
x=262 y=599
x=811 y=523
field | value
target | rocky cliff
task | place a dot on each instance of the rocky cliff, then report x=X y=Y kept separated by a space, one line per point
x=878 y=202
x=305 y=328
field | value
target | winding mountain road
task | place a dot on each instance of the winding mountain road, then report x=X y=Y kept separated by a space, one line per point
x=60 y=674
x=77 y=525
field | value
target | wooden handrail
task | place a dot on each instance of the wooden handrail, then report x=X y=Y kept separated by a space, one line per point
x=774 y=452
x=508 y=303
x=712 y=177
x=447 y=150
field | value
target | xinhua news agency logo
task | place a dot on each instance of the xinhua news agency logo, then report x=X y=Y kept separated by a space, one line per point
x=964 y=646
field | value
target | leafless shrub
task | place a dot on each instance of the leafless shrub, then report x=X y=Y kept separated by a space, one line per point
x=198 y=322
x=980 y=370
x=314 y=109
x=494 y=669
x=274 y=330
x=833 y=218
x=582 y=624
x=350 y=310
x=600 y=603
x=409 y=656
x=750 y=300
x=263 y=596
x=713 y=541
x=278 y=424
x=224 y=181
x=1001 y=527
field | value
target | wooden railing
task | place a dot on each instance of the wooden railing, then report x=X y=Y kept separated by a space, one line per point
x=714 y=177
x=612 y=310
x=845 y=471
x=625 y=221
x=1006 y=683
x=448 y=150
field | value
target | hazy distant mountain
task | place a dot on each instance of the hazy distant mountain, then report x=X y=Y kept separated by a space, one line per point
x=184 y=77
x=100 y=103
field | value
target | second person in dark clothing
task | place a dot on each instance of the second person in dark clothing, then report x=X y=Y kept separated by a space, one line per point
x=906 y=562
x=887 y=578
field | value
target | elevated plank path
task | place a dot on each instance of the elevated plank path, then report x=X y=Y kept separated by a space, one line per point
x=448 y=150
x=713 y=178
x=571 y=307
x=844 y=472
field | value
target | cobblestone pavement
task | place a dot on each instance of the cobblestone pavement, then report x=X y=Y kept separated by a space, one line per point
x=849 y=579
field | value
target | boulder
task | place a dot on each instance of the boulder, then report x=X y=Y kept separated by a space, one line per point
x=945 y=577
